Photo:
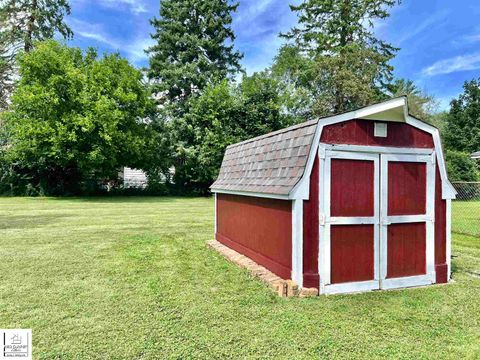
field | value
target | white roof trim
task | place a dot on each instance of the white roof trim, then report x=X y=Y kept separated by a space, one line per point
x=301 y=190
x=251 y=193
x=374 y=112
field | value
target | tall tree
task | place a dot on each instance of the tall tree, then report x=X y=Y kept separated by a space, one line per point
x=420 y=103
x=194 y=47
x=462 y=128
x=351 y=65
x=223 y=114
x=22 y=22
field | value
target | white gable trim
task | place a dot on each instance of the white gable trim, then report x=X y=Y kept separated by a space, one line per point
x=301 y=189
x=448 y=191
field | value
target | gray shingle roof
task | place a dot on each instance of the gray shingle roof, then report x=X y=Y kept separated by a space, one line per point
x=270 y=164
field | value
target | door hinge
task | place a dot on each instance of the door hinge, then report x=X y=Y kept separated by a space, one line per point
x=322 y=219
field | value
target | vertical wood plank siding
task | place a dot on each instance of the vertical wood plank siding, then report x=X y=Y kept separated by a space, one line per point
x=406 y=250
x=352 y=248
x=407 y=188
x=352 y=190
x=361 y=132
x=311 y=278
x=258 y=228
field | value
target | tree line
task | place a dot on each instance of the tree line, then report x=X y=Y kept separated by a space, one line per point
x=70 y=119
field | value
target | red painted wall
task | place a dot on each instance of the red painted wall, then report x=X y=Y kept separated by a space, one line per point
x=361 y=132
x=311 y=278
x=258 y=228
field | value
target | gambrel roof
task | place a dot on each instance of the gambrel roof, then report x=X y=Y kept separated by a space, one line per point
x=278 y=164
x=272 y=163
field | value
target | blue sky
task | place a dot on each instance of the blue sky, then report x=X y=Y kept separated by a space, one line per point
x=439 y=39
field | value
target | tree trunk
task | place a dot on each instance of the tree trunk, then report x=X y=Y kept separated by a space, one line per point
x=30 y=27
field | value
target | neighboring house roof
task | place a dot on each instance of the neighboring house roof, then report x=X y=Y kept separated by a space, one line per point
x=476 y=155
x=278 y=164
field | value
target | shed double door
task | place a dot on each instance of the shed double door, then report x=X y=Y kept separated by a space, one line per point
x=377 y=227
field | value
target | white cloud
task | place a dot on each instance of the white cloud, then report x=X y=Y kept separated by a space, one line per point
x=435 y=19
x=136 y=6
x=134 y=49
x=454 y=64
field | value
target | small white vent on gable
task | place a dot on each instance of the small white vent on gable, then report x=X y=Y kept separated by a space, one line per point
x=380 y=130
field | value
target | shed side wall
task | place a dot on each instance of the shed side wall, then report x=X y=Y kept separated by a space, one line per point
x=259 y=228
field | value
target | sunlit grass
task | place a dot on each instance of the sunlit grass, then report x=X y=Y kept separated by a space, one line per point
x=131 y=278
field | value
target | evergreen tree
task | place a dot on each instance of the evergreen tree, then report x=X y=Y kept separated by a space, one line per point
x=194 y=47
x=420 y=104
x=350 y=64
x=22 y=22
x=462 y=128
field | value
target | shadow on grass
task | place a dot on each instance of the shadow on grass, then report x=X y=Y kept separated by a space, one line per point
x=125 y=199
x=26 y=222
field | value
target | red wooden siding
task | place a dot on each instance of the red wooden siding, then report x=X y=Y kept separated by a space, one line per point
x=407 y=186
x=441 y=267
x=258 y=228
x=361 y=132
x=352 y=253
x=352 y=190
x=311 y=278
x=406 y=250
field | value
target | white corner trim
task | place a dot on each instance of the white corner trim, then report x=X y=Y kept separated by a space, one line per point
x=297 y=242
x=215 y=224
x=449 y=238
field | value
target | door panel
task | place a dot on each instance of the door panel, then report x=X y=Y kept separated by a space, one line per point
x=350 y=241
x=407 y=188
x=352 y=190
x=406 y=250
x=407 y=231
x=352 y=253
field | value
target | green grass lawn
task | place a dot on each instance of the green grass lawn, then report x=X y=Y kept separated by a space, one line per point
x=466 y=217
x=131 y=278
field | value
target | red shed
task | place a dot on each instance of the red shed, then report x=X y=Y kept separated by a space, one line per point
x=354 y=202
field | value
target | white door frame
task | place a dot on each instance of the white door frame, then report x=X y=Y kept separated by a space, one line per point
x=378 y=154
x=326 y=220
x=428 y=218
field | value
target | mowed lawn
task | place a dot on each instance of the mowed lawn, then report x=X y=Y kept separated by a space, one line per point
x=131 y=278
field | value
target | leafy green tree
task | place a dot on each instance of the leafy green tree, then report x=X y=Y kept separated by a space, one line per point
x=462 y=127
x=224 y=114
x=461 y=167
x=194 y=47
x=22 y=22
x=75 y=118
x=350 y=65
